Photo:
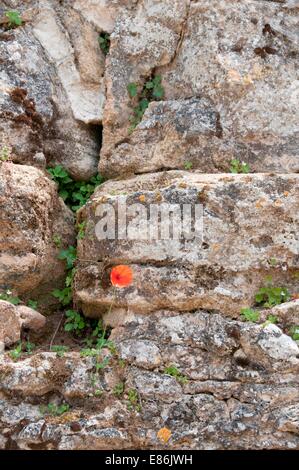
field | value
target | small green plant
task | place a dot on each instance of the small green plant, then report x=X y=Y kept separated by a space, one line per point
x=119 y=389
x=32 y=304
x=174 y=372
x=81 y=230
x=14 y=19
x=16 y=352
x=29 y=347
x=7 y=295
x=104 y=42
x=238 y=167
x=98 y=392
x=75 y=322
x=272 y=319
x=5 y=154
x=55 y=410
x=57 y=240
x=74 y=193
x=152 y=91
x=294 y=332
x=133 y=399
x=248 y=314
x=269 y=296
x=59 y=349
x=188 y=165
x=272 y=262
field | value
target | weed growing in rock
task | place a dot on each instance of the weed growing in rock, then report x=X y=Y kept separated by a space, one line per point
x=269 y=296
x=173 y=371
x=14 y=19
x=133 y=398
x=59 y=349
x=63 y=295
x=54 y=410
x=75 y=322
x=29 y=347
x=238 y=167
x=57 y=240
x=152 y=91
x=5 y=154
x=104 y=42
x=81 y=230
x=188 y=165
x=7 y=295
x=74 y=193
x=294 y=332
x=119 y=389
x=248 y=314
x=16 y=352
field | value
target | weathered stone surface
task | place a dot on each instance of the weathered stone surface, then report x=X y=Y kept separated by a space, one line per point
x=240 y=56
x=141 y=41
x=31 y=213
x=247 y=221
x=13 y=318
x=225 y=403
x=50 y=89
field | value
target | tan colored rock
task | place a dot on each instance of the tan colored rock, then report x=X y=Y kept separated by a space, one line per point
x=30 y=318
x=246 y=73
x=10 y=327
x=141 y=41
x=247 y=221
x=31 y=214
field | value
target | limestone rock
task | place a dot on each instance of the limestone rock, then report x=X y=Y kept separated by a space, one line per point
x=31 y=214
x=9 y=324
x=225 y=402
x=246 y=73
x=51 y=95
x=13 y=318
x=247 y=221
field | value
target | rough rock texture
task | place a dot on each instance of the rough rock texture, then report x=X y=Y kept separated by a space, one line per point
x=238 y=60
x=229 y=69
x=51 y=93
x=13 y=318
x=221 y=271
x=31 y=213
x=241 y=392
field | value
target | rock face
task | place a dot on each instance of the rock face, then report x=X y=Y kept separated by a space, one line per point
x=51 y=89
x=223 y=270
x=13 y=318
x=31 y=214
x=236 y=59
x=200 y=243
x=241 y=391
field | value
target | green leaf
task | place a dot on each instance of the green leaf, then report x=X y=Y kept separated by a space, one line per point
x=132 y=89
x=14 y=18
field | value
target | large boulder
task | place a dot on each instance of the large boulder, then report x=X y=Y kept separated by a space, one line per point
x=249 y=233
x=31 y=214
x=238 y=62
